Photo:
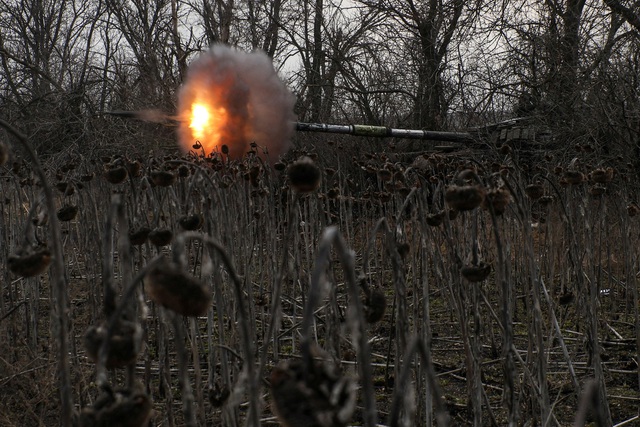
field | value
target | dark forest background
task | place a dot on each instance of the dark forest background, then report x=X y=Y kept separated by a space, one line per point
x=440 y=65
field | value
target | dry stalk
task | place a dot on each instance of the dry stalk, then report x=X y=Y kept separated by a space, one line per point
x=399 y=310
x=247 y=336
x=58 y=278
x=109 y=298
x=458 y=296
x=418 y=346
x=506 y=297
x=556 y=326
x=631 y=282
x=124 y=304
x=276 y=307
x=355 y=317
x=536 y=287
x=590 y=400
x=183 y=370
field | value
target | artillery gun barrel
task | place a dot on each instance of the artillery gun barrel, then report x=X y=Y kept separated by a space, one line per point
x=354 y=130
x=383 y=132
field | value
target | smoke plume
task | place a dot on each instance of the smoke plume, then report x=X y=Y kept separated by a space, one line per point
x=234 y=98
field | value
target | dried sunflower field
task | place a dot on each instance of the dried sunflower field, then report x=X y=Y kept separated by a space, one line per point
x=332 y=287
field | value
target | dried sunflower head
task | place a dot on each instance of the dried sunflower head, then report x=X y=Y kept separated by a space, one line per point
x=168 y=285
x=30 y=262
x=120 y=408
x=124 y=345
x=464 y=197
x=116 y=175
x=160 y=236
x=304 y=175
x=476 y=273
x=311 y=394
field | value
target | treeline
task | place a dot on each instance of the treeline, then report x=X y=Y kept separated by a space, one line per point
x=440 y=65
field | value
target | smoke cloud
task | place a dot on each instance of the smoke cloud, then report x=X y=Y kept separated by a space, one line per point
x=246 y=101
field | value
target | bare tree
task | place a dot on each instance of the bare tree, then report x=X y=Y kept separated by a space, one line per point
x=46 y=52
x=217 y=19
x=430 y=28
x=147 y=28
x=630 y=13
x=331 y=43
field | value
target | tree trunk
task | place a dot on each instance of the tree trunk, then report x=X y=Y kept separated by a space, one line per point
x=317 y=59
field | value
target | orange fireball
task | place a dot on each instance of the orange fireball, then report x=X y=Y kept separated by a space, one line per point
x=205 y=123
x=213 y=111
x=235 y=98
x=200 y=118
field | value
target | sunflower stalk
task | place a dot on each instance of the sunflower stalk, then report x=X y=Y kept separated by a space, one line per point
x=60 y=310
